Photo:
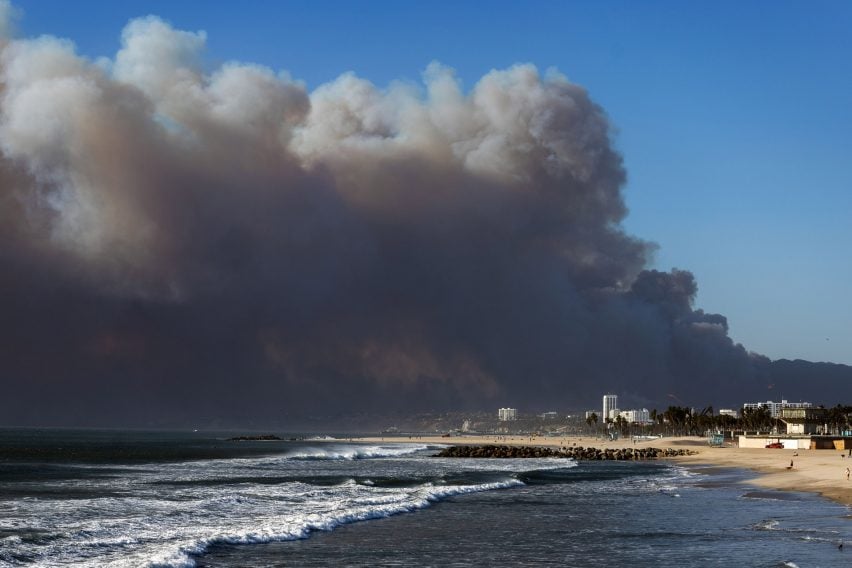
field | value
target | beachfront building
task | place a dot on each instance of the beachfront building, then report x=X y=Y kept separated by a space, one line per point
x=641 y=416
x=776 y=407
x=507 y=414
x=728 y=412
x=803 y=420
x=549 y=415
x=610 y=407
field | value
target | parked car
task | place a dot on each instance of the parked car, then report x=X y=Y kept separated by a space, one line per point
x=775 y=445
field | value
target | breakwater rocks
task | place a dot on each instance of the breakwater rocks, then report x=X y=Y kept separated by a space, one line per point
x=260 y=438
x=577 y=452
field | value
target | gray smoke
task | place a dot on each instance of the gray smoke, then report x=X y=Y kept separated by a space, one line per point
x=182 y=244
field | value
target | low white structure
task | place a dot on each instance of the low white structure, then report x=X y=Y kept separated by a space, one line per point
x=728 y=412
x=506 y=414
x=549 y=415
x=802 y=443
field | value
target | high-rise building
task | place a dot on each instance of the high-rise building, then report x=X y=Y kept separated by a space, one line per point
x=610 y=403
x=506 y=414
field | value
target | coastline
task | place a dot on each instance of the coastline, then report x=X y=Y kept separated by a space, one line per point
x=814 y=471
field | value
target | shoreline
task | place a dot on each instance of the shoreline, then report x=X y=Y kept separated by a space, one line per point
x=814 y=471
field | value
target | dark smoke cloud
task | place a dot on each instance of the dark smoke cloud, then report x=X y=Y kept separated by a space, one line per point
x=179 y=245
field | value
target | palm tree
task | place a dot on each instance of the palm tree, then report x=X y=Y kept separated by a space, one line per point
x=592 y=419
x=704 y=420
x=838 y=417
x=620 y=423
x=680 y=419
x=757 y=418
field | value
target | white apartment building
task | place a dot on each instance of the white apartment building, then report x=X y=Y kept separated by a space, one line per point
x=506 y=414
x=775 y=407
x=641 y=416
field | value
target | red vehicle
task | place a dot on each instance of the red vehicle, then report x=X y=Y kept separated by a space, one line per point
x=777 y=445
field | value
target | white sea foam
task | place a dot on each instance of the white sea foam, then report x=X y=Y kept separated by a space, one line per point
x=160 y=525
x=275 y=464
x=355 y=452
x=766 y=525
x=507 y=464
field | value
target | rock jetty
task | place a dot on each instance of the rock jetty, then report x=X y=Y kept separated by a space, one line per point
x=261 y=438
x=578 y=453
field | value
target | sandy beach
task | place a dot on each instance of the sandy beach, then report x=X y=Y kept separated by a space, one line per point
x=817 y=471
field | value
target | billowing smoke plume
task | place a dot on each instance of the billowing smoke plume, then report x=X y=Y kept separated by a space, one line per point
x=181 y=242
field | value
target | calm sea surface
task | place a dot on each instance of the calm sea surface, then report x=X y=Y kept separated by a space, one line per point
x=106 y=498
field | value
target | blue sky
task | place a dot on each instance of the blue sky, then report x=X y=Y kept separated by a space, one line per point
x=733 y=118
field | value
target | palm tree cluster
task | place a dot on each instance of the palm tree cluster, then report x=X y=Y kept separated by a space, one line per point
x=839 y=419
x=687 y=421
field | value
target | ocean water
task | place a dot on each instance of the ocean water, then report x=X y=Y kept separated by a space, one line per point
x=122 y=499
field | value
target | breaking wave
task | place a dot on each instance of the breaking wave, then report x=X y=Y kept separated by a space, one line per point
x=357 y=452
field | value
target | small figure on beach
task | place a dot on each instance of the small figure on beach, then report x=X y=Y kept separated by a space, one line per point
x=791 y=464
x=847 y=474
